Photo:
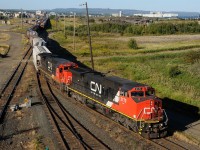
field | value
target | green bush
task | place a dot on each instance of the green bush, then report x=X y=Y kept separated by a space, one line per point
x=174 y=71
x=132 y=44
x=192 y=57
x=92 y=20
x=162 y=28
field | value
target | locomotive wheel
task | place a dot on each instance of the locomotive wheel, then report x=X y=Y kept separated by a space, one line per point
x=73 y=95
x=69 y=94
x=102 y=110
x=84 y=101
x=115 y=117
x=122 y=120
x=126 y=124
x=79 y=98
x=146 y=135
x=163 y=134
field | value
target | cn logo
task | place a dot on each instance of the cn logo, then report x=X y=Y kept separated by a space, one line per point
x=95 y=87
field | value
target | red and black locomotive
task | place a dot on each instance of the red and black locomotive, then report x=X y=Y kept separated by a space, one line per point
x=132 y=104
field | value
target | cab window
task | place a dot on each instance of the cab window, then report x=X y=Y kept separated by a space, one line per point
x=149 y=93
x=138 y=93
x=65 y=68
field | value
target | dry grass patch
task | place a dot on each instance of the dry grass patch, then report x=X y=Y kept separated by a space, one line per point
x=4 y=37
x=4 y=49
x=186 y=138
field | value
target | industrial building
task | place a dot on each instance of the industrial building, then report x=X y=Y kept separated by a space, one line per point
x=158 y=15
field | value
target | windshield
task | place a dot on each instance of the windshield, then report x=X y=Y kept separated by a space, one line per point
x=149 y=93
x=138 y=93
x=65 y=68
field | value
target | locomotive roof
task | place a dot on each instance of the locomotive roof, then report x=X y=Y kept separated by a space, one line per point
x=85 y=71
x=124 y=83
x=41 y=49
x=58 y=61
x=38 y=39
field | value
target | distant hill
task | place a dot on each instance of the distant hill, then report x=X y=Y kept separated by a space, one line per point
x=126 y=12
x=104 y=11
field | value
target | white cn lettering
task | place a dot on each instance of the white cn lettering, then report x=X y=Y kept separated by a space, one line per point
x=95 y=87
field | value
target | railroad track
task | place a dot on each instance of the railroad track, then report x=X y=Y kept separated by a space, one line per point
x=11 y=84
x=163 y=143
x=70 y=133
x=167 y=144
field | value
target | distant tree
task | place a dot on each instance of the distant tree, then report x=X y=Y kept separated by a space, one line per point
x=52 y=17
x=101 y=20
x=92 y=20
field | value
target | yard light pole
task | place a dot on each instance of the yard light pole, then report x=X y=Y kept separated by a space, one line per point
x=89 y=36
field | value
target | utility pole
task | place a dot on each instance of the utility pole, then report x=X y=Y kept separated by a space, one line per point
x=22 y=18
x=64 y=27
x=56 y=22
x=74 y=31
x=89 y=36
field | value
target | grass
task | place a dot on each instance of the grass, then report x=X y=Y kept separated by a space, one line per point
x=38 y=145
x=186 y=138
x=4 y=49
x=150 y=64
x=153 y=70
x=106 y=46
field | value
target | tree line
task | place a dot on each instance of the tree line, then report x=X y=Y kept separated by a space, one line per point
x=164 y=28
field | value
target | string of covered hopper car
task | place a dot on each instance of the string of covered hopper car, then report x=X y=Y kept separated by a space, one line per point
x=132 y=104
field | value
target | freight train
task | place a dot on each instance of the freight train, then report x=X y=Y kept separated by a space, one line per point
x=127 y=102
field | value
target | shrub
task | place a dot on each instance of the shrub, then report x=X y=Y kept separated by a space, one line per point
x=92 y=20
x=132 y=44
x=192 y=57
x=174 y=71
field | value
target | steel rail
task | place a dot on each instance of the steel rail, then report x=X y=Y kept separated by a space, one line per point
x=12 y=91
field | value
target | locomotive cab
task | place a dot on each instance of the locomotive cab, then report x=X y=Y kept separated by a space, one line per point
x=142 y=92
x=63 y=73
x=152 y=118
x=149 y=106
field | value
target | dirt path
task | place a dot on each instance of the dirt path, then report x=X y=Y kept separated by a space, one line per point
x=27 y=128
x=137 y=54
x=160 y=39
x=8 y=63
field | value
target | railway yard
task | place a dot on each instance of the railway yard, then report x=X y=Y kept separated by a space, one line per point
x=56 y=121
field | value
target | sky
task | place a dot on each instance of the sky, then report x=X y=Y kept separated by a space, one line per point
x=149 y=5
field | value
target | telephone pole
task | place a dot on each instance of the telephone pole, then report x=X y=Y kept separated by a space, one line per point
x=64 y=27
x=89 y=36
x=74 y=31
x=22 y=18
x=56 y=22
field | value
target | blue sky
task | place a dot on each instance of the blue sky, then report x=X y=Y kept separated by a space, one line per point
x=152 y=5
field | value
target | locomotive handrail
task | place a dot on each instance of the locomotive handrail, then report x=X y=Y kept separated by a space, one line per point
x=140 y=119
x=139 y=114
x=165 y=116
